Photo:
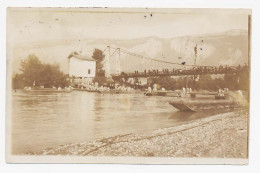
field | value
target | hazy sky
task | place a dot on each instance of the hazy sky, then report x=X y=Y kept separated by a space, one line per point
x=46 y=24
x=53 y=33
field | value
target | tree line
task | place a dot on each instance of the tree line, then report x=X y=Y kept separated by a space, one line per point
x=34 y=72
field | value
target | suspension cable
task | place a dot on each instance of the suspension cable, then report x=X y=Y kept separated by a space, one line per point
x=162 y=61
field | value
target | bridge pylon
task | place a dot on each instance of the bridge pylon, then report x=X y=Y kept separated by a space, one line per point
x=118 y=67
x=107 y=65
x=112 y=64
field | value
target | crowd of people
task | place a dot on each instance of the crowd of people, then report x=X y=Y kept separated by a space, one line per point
x=222 y=92
x=110 y=87
x=154 y=88
x=191 y=71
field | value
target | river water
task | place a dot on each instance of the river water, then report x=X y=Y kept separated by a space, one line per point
x=41 y=120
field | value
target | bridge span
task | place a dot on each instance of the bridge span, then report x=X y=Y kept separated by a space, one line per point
x=117 y=66
x=206 y=70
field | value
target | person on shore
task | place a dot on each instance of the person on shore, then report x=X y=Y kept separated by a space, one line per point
x=149 y=89
x=221 y=92
x=183 y=92
x=154 y=88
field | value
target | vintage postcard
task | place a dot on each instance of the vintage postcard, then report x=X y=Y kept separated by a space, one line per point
x=128 y=85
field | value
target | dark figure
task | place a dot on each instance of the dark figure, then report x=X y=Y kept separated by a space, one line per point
x=226 y=68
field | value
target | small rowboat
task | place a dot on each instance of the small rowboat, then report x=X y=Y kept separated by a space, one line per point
x=158 y=93
x=93 y=91
x=198 y=105
x=217 y=97
x=78 y=89
x=116 y=92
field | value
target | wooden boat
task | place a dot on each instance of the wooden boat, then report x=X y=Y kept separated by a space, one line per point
x=93 y=91
x=149 y=94
x=158 y=93
x=198 y=105
x=116 y=92
x=48 y=90
x=78 y=89
x=217 y=97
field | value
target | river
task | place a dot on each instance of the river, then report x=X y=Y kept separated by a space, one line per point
x=41 y=120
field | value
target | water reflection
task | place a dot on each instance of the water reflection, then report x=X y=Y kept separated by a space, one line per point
x=43 y=120
x=182 y=117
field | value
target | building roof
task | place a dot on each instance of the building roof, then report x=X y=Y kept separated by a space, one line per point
x=78 y=56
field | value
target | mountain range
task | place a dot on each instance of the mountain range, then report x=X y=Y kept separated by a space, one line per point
x=225 y=48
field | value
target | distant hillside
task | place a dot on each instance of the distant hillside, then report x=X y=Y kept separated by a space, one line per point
x=229 y=48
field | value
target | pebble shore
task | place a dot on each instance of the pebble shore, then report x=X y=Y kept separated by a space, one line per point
x=219 y=136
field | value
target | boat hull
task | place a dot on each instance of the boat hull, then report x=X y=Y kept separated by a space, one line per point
x=193 y=106
x=115 y=92
x=156 y=94
x=78 y=89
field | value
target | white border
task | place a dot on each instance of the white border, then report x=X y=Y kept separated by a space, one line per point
x=126 y=160
x=254 y=153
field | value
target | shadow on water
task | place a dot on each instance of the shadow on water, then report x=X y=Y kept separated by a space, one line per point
x=182 y=117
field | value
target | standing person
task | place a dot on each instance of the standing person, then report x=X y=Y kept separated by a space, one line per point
x=149 y=89
x=154 y=88
x=33 y=83
x=219 y=92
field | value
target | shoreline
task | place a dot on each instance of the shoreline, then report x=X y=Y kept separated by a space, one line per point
x=220 y=136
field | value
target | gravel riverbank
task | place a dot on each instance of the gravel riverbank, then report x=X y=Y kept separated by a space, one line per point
x=219 y=136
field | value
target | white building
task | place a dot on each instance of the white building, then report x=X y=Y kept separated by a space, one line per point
x=82 y=67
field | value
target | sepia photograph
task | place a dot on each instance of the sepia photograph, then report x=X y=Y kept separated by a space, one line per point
x=128 y=85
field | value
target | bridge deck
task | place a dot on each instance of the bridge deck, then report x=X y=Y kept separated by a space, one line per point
x=179 y=73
